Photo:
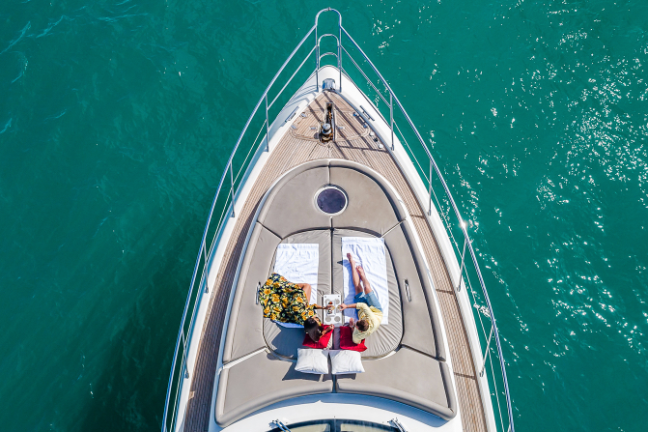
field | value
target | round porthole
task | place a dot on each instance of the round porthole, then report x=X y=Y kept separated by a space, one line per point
x=331 y=200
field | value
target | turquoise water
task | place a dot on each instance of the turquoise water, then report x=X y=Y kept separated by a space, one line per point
x=117 y=117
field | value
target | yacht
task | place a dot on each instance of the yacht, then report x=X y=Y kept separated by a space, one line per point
x=329 y=161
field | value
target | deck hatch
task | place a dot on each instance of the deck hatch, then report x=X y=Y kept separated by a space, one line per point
x=331 y=200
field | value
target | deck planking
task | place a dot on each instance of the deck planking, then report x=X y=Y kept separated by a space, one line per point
x=352 y=143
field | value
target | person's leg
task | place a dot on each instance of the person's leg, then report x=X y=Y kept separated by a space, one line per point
x=365 y=281
x=307 y=292
x=354 y=273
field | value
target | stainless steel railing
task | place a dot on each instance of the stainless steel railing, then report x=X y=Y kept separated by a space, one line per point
x=446 y=207
x=467 y=244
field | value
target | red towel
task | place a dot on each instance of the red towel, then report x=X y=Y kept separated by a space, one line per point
x=321 y=344
x=346 y=340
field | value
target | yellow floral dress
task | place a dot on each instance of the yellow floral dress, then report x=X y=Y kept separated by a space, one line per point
x=284 y=301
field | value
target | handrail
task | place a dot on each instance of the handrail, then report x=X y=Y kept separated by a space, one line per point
x=205 y=252
x=202 y=249
x=339 y=40
x=291 y=77
x=461 y=221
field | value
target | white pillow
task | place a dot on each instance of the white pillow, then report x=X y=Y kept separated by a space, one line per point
x=314 y=361
x=345 y=362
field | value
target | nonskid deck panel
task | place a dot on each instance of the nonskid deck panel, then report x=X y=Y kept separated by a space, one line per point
x=290 y=152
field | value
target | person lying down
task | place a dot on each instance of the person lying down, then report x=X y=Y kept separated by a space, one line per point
x=370 y=312
x=288 y=302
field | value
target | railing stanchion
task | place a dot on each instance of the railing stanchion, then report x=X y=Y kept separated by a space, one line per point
x=317 y=59
x=430 y=190
x=340 y=55
x=267 y=126
x=463 y=261
x=481 y=373
x=391 y=120
x=232 y=189
x=184 y=356
x=204 y=248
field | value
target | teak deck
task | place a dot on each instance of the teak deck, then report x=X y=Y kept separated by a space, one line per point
x=296 y=147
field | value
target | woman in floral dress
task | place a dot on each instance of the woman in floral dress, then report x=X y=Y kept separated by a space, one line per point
x=285 y=301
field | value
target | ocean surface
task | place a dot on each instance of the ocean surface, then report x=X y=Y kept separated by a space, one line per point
x=117 y=118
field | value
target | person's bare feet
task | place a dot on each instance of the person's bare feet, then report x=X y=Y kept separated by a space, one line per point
x=351 y=261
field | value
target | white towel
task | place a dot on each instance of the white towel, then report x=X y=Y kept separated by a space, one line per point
x=370 y=254
x=298 y=263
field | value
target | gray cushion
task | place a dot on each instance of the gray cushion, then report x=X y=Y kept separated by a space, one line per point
x=387 y=337
x=408 y=377
x=290 y=205
x=399 y=206
x=259 y=381
x=281 y=340
x=420 y=320
x=370 y=207
x=245 y=329
x=250 y=384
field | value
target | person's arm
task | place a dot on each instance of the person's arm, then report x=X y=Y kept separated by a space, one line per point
x=365 y=309
x=327 y=330
x=351 y=306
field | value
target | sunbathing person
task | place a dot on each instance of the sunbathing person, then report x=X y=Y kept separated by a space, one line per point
x=286 y=301
x=366 y=302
